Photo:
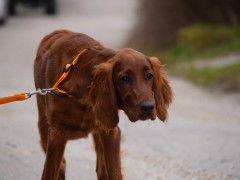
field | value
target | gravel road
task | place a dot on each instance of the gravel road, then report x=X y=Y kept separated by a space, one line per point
x=199 y=142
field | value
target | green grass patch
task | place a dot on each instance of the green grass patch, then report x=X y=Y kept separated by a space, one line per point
x=178 y=54
x=204 y=41
x=202 y=36
x=227 y=76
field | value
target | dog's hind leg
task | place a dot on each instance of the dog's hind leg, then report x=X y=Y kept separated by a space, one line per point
x=54 y=156
x=43 y=127
x=42 y=123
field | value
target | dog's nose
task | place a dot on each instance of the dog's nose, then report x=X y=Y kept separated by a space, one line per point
x=147 y=107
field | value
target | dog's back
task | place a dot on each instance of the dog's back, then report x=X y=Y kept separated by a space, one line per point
x=55 y=51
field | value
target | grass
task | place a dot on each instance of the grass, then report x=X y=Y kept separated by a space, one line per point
x=227 y=77
x=205 y=42
x=189 y=53
x=202 y=36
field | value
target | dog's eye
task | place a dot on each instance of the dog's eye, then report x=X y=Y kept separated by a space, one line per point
x=125 y=78
x=149 y=76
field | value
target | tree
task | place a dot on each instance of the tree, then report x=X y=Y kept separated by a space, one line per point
x=160 y=20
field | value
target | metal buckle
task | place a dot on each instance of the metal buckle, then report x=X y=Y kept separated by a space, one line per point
x=70 y=66
x=40 y=92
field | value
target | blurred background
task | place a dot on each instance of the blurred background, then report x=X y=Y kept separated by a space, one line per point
x=191 y=36
x=199 y=41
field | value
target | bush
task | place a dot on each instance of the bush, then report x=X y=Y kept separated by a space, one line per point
x=200 y=36
x=225 y=78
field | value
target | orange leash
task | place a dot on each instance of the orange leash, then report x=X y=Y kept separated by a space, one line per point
x=24 y=96
x=16 y=97
x=54 y=89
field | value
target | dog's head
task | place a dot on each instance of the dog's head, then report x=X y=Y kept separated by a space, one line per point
x=132 y=82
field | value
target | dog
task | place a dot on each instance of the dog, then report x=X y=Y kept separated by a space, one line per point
x=101 y=82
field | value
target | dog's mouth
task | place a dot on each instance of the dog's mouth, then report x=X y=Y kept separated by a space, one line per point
x=133 y=117
x=146 y=117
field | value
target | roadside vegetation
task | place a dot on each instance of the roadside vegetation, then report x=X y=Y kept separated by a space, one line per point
x=201 y=44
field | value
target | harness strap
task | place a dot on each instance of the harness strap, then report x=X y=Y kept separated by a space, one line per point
x=67 y=70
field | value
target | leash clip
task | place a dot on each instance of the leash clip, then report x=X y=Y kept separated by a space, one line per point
x=40 y=92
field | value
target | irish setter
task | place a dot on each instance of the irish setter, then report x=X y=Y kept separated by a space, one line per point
x=102 y=82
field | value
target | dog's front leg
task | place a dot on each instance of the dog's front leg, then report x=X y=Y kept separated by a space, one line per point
x=54 y=156
x=107 y=146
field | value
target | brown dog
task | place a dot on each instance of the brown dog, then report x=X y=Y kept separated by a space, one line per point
x=101 y=82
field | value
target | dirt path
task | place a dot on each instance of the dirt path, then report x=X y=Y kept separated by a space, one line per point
x=200 y=140
x=218 y=62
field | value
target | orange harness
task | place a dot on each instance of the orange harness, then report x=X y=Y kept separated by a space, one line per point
x=54 y=89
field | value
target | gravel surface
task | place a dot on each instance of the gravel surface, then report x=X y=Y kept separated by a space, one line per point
x=199 y=142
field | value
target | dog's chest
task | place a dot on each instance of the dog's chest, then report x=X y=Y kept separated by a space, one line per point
x=80 y=125
x=74 y=130
x=75 y=120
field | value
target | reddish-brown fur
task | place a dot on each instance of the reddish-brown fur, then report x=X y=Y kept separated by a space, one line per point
x=102 y=82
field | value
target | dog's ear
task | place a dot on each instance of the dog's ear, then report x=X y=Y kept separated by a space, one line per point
x=162 y=91
x=103 y=97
